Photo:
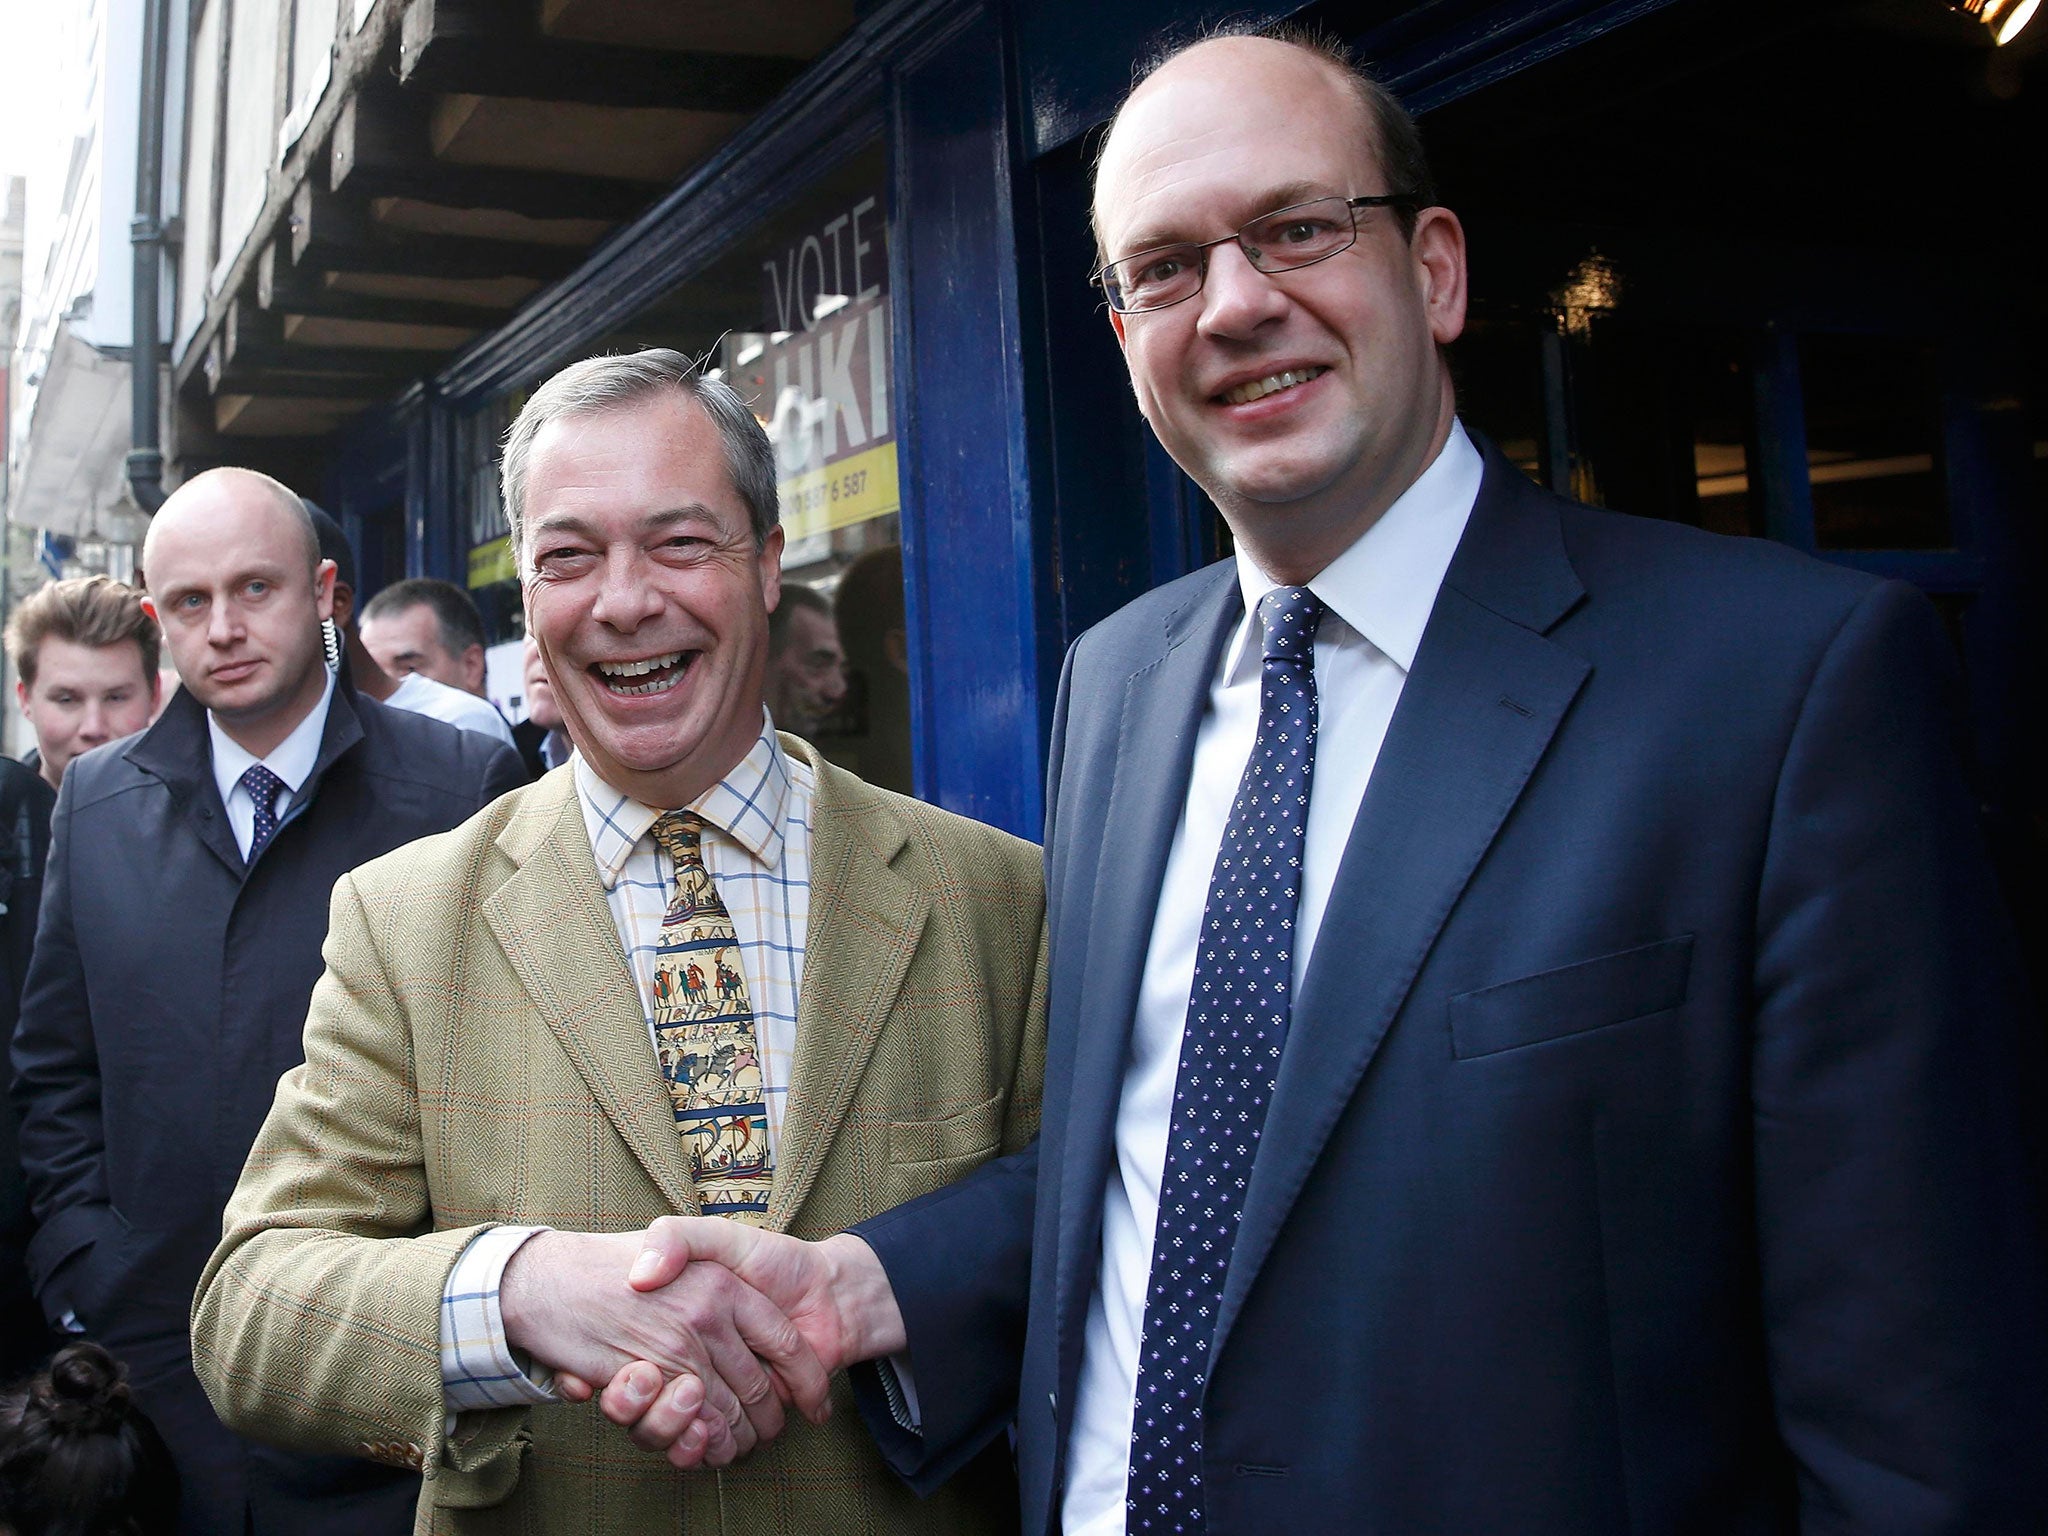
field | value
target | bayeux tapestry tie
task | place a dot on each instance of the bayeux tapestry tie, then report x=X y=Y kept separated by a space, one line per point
x=704 y=1030
x=1238 y=1013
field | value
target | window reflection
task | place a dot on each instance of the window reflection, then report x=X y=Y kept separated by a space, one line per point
x=1873 y=442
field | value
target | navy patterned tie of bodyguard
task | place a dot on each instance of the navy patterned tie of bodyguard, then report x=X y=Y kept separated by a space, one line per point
x=263 y=787
x=1229 y=1058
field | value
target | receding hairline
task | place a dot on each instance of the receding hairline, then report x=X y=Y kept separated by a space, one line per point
x=1349 y=85
x=276 y=492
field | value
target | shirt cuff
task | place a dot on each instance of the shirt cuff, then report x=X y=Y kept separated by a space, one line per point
x=899 y=1390
x=479 y=1369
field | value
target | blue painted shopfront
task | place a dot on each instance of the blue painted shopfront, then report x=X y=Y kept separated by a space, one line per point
x=1689 y=282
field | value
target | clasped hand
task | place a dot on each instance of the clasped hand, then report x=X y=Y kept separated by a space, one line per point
x=701 y=1332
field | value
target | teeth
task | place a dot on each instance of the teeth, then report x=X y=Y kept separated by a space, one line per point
x=638 y=668
x=1258 y=389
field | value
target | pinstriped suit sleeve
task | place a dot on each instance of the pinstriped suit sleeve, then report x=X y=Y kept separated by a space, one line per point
x=316 y=1322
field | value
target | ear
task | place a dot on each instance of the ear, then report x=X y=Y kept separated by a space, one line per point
x=344 y=603
x=149 y=607
x=1116 y=323
x=473 y=667
x=1438 y=247
x=323 y=588
x=771 y=568
x=21 y=697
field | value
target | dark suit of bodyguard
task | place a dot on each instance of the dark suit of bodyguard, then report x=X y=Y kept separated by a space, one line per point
x=166 y=998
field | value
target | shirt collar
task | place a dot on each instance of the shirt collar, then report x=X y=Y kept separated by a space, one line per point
x=746 y=805
x=291 y=760
x=1384 y=586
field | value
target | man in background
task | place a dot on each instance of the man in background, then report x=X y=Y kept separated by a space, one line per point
x=415 y=691
x=806 y=666
x=427 y=625
x=85 y=656
x=185 y=904
x=542 y=738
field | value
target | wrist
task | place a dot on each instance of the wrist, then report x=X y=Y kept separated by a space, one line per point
x=870 y=1322
x=521 y=1289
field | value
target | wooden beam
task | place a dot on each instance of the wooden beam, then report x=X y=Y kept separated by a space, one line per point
x=487 y=48
x=283 y=287
x=331 y=230
x=381 y=148
x=252 y=355
x=801 y=29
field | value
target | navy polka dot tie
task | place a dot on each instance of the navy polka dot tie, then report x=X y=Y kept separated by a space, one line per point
x=263 y=787
x=1229 y=1058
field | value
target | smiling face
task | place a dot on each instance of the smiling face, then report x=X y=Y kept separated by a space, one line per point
x=647 y=596
x=84 y=695
x=234 y=583
x=1303 y=402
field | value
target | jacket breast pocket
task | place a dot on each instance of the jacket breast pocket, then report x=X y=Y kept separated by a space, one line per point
x=1571 y=1000
x=925 y=1155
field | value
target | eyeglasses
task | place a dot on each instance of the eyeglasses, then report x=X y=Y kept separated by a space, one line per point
x=1299 y=235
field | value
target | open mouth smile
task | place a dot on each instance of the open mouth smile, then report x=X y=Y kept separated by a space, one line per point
x=1272 y=383
x=635 y=679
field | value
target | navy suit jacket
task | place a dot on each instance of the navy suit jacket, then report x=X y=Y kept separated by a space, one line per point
x=166 y=997
x=1648 y=1152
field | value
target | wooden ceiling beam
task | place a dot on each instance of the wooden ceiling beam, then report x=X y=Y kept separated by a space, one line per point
x=332 y=230
x=302 y=291
x=381 y=148
x=490 y=48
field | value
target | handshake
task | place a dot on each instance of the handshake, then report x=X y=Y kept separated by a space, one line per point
x=697 y=1336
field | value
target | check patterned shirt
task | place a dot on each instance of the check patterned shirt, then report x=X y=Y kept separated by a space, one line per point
x=757 y=846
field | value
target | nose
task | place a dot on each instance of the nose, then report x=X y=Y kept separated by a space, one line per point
x=834 y=688
x=626 y=598
x=92 y=725
x=1237 y=298
x=223 y=624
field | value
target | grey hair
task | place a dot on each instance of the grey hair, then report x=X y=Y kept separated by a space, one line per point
x=599 y=384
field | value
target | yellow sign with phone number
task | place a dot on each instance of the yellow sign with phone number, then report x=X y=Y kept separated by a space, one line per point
x=852 y=490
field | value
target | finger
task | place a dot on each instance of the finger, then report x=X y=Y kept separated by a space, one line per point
x=688 y=1451
x=674 y=1409
x=630 y=1393
x=776 y=1343
x=572 y=1389
x=671 y=1242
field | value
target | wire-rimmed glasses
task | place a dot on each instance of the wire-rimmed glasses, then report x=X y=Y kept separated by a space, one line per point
x=1299 y=235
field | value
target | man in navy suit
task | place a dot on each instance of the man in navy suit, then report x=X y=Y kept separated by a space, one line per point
x=1534 y=1044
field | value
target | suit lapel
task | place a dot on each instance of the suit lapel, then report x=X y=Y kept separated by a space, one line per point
x=864 y=926
x=178 y=750
x=1162 y=709
x=1477 y=713
x=553 y=923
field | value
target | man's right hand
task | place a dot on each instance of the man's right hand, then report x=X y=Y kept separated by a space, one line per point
x=834 y=1293
x=735 y=1356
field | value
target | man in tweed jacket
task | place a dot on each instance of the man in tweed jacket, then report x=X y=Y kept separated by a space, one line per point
x=419 y=1236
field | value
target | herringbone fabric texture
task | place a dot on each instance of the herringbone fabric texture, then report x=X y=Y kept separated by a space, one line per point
x=477 y=1053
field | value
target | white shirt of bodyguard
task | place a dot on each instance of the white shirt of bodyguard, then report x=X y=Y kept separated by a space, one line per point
x=757 y=848
x=291 y=760
x=437 y=701
x=1379 y=593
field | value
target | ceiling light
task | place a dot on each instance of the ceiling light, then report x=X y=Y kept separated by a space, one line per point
x=2005 y=18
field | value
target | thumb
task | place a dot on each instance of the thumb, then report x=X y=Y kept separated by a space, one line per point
x=671 y=1242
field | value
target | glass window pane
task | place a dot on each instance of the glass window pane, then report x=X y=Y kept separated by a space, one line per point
x=1873 y=442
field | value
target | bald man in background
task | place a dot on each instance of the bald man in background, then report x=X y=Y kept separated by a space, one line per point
x=185 y=905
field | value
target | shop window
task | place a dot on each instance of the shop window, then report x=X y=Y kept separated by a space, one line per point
x=1721 y=395
x=1873 y=442
x=1498 y=368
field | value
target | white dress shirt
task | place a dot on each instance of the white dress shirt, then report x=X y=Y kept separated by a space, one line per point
x=1379 y=593
x=437 y=701
x=291 y=760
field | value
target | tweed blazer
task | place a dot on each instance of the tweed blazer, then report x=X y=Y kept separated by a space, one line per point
x=477 y=1053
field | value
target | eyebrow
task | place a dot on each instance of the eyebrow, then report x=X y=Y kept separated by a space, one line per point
x=652 y=522
x=1285 y=195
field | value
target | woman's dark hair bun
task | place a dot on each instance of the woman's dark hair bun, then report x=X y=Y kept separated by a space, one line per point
x=84 y=1393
